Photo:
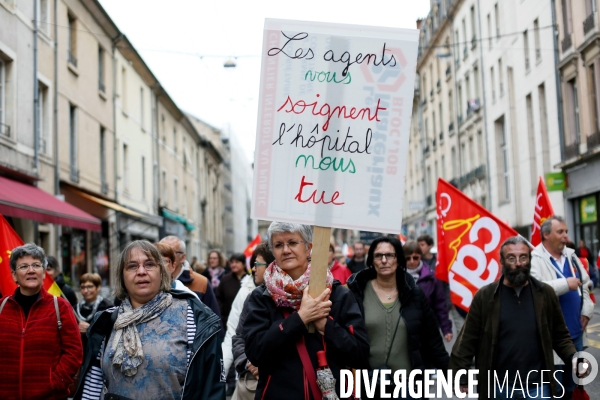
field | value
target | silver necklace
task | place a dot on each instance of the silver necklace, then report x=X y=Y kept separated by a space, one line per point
x=389 y=296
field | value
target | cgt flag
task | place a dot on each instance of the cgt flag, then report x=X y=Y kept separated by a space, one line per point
x=251 y=246
x=469 y=238
x=541 y=212
x=8 y=241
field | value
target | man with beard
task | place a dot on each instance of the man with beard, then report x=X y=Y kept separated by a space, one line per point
x=511 y=329
x=558 y=266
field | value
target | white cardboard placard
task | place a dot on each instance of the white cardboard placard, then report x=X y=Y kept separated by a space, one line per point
x=333 y=124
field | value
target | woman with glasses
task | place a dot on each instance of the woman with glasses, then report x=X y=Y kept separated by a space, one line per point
x=233 y=346
x=276 y=333
x=149 y=346
x=90 y=304
x=431 y=287
x=40 y=342
x=400 y=324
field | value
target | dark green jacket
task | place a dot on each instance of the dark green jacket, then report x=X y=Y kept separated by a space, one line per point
x=479 y=335
x=204 y=378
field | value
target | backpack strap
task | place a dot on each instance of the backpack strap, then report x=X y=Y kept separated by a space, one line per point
x=3 y=304
x=57 y=312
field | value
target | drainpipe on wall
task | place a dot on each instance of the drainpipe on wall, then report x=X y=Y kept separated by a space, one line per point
x=561 y=127
x=114 y=97
x=36 y=94
x=485 y=125
x=57 y=228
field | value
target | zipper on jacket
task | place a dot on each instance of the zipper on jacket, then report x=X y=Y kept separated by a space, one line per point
x=192 y=360
x=265 y=389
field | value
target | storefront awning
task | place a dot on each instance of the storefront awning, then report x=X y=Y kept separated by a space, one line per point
x=106 y=203
x=24 y=201
x=189 y=225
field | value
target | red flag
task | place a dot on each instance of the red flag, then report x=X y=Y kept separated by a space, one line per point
x=469 y=239
x=541 y=212
x=8 y=241
x=251 y=246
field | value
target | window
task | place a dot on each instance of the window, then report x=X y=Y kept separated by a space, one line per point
x=4 y=128
x=500 y=78
x=464 y=32
x=43 y=16
x=103 y=155
x=101 y=86
x=463 y=161
x=532 y=150
x=165 y=190
x=43 y=118
x=497 y=20
x=434 y=122
x=481 y=148
x=489 y=26
x=175 y=140
x=476 y=81
x=457 y=52
x=526 y=50
x=124 y=89
x=450 y=106
x=493 y=79
x=441 y=123
x=143 y=177
x=566 y=14
x=72 y=40
x=593 y=91
x=175 y=195
x=502 y=160
x=142 y=107
x=443 y=174
x=460 y=103
x=536 y=39
x=473 y=28
x=544 y=129
x=125 y=168
x=572 y=108
x=454 y=168
x=185 y=203
x=472 y=153
x=73 y=142
x=468 y=86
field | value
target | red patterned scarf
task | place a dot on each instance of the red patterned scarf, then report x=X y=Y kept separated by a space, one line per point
x=285 y=291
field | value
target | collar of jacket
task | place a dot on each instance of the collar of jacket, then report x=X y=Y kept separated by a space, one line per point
x=535 y=284
x=405 y=283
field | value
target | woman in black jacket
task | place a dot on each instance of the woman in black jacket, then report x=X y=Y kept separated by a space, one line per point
x=275 y=330
x=394 y=307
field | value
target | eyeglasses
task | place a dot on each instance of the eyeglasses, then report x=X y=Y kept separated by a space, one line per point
x=149 y=266
x=25 y=267
x=87 y=287
x=292 y=245
x=513 y=260
x=260 y=264
x=389 y=256
x=414 y=258
x=180 y=253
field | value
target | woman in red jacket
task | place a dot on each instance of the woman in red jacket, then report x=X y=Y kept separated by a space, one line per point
x=41 y=346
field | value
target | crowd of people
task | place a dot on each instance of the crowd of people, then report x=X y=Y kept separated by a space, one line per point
x=181 y=331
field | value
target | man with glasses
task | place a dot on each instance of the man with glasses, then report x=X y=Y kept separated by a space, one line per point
x=195 y=282
x=558 y=266
x=512 y=327
x=55 y=271
x=41 y=346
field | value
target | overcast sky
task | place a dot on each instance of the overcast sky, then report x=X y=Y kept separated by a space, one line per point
x=186 y=42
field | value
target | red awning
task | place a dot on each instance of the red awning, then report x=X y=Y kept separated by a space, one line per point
x=24 y=201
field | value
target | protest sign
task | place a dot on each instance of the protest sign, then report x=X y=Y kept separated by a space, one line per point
x=333 y=124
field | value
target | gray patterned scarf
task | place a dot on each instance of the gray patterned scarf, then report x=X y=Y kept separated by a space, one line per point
x=126 y=351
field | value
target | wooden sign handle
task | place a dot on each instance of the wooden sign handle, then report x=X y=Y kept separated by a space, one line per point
x=318 y=269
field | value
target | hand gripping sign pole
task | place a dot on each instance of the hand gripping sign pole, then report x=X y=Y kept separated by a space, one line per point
x=319 y=258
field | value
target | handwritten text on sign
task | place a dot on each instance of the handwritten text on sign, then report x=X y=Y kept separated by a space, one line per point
x=333 y=124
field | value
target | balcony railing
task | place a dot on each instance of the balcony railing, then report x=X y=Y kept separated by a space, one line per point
x=571 y=150
x=4 y=129
x=593 y=140
x=589 y=23
x=474 y=174
x=71 y=58
x=566 y=43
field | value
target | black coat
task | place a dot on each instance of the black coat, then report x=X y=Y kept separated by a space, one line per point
x=271 y=339
x=425 y=343
x=225 y=294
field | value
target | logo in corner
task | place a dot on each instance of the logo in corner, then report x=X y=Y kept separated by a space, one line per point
x=581 y=368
